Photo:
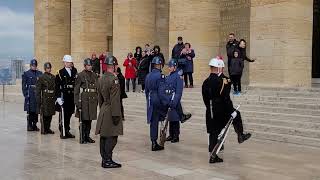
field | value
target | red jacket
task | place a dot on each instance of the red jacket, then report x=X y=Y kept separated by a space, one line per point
x=130 y=69
x=102 y=59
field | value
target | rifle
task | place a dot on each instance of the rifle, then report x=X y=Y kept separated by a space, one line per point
x=41 y=115
x=81 y=139
x=163 y=132
x=61 y=114
x=222 y=137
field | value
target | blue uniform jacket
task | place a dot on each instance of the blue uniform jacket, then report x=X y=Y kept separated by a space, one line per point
x=152 y=82
x=175 y=84
x=29 y=80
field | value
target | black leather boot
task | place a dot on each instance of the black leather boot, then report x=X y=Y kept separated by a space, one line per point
x=156 y=146
x=216 y=159
x=186 y=117
x=169 y=138
x=110 y=164
x=175 y=139
x=243 y=137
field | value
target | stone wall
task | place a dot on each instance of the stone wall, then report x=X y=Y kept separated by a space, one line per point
x=134 y=23
x=52 y=31
x=281 y=40
x=91 y=24
x=198 y=22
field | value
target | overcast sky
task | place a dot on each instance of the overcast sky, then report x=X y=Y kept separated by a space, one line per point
x=16 y=28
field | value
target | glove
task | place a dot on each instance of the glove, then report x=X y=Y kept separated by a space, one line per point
x=59 y=101
x=115 y=120
x=234 y=114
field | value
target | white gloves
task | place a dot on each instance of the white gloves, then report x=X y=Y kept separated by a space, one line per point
x=59 y=101
x=234 y=114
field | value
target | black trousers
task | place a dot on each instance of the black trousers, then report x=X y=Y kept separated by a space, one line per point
x=32 y=119
x=174 y=129
x=86 y=128
x=107 y=145
x=236 y=80
x=143 y=86
x=238 y=128
x=67 y=117
x=46 y=123
x=229 y=64
x=186 y=75
x=122 y=109
x=133 y=84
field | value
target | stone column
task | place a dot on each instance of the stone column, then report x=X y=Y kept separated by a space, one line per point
x=91 y=27
x=198 y=23
x=162 y=27
x=134 y=23
x=281 y=40
x=51 y=31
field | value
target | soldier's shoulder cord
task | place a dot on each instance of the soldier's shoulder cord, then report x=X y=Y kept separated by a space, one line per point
x=58 y=74
x=224 y=82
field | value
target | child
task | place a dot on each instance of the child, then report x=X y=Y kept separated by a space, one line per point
x=123 y=94
x=236 y=69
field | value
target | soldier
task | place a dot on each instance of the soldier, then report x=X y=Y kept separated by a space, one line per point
x=65 y=80
x=219 y=107
x=109 y=124
x=154 y=112
x=29 y=80
x=46 y=98
x=174 y=84
x=86 y=100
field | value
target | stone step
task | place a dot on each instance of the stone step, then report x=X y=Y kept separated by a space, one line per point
x=199 y=102
x=256 y=133
x=199 y=110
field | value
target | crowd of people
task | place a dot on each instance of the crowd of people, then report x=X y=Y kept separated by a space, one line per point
x=102 y=83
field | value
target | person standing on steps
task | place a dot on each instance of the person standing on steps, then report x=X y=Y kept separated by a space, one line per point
x=232 y=44
x=154 y=110
x=86 y=100
x=130 y=63
x=236 y=69
x=29 y=80
x=188 y=54
x=109 y=124
x=46 y=98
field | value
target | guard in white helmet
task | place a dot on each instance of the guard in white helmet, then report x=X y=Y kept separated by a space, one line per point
x=219 y=107
x=65 y=81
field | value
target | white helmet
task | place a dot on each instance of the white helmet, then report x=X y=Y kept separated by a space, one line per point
x=214 y=63
x=67 y=58
x=221 y=63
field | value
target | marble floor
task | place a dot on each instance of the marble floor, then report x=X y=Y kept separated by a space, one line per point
x=31 y=156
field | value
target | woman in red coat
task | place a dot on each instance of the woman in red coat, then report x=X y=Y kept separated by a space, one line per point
x=130 y=74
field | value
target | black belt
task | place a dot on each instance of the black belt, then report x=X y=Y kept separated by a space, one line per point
x=32 y=86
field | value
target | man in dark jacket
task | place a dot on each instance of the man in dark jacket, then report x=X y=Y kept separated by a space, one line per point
x=232 y=44
x=65 y=81
x=176 y=51
x=29 y=80
x=46 y=98
x=95 y=64
x=86 y=100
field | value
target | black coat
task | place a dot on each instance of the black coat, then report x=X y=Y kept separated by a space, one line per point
x=231 y=47
x=176 y=51
x=29 y=80
x=143 y=69
x=243 y=54
x=236 y=66
x=122 y=81
x=138 y=57
x=216 y=97
x=65 y=88
x=96 y=65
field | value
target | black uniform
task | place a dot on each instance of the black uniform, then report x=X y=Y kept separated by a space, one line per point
x=65 y=90
x=219 y=107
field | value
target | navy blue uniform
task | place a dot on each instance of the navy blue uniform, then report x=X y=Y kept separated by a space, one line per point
x=29 y=80
x=174 y=85
x=154 y=112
